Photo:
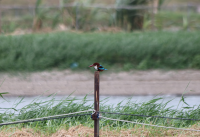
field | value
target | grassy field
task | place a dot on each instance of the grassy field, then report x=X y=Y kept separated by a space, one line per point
x=108 y=127
x=121 y=51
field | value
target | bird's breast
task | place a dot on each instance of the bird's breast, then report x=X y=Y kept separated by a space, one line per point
x=95 y=67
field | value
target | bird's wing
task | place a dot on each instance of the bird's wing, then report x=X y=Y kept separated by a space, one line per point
x=101 y=67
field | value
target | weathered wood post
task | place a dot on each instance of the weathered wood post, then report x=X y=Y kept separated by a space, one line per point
x=95 y=116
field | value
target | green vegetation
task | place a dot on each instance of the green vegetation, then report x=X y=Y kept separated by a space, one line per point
x=39 y=108
x=147 y=50
x=90 y=19
x=87 y=19
x=132 y=18
x=177 y=20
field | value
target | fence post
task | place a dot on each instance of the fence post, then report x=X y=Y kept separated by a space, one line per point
x=95 y=116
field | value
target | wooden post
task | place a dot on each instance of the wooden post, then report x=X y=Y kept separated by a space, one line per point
x=96 y=104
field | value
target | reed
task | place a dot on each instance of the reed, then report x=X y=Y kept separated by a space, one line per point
x=39 y=108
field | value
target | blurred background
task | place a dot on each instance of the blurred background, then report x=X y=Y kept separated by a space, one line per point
x=149 y=47
x=25 y=16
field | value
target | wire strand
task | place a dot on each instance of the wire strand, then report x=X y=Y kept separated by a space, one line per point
x=48 y=118
x=149 y=116
x=150 y=124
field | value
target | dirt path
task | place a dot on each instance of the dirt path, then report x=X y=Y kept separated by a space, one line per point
x=123 y=83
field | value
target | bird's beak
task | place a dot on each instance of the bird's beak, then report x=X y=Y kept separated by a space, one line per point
x=91 y=65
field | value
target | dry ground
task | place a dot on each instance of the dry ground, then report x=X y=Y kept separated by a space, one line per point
x=123 y=83
x=81 y=131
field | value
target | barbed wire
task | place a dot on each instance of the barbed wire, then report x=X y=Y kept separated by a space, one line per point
x=72 y=115
x=49 y=117
x=149 y=124
x=150 y=116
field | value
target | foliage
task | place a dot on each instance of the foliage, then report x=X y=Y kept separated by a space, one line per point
x=196 y=61
x=92 y=19
x=132 y=18
x=148 y=50
x=82 y=16
x=2 y=93
x=39 y=108
x=39 y=15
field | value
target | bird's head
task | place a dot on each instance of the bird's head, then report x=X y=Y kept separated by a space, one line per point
x=95 y=64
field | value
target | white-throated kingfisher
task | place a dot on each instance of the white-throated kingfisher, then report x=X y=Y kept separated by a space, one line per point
x=97 y=67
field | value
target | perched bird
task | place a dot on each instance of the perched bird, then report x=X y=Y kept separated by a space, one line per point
x=98 y=67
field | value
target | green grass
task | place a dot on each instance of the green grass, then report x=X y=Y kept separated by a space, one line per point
x=178 y=20
x=71 y=104
x=139 y=50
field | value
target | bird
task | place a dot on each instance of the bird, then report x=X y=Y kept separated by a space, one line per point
x=98 y=67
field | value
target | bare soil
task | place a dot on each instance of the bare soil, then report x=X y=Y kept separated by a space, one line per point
x=81 y=83
x=89 y=132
